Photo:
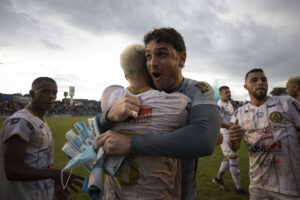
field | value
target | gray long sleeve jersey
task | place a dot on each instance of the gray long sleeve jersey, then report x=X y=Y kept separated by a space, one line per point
x=195 y=140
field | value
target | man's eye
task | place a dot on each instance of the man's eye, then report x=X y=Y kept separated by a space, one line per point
x=148 y=57
x=162 y=54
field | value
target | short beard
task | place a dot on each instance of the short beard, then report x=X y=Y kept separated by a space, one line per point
x=259 y=96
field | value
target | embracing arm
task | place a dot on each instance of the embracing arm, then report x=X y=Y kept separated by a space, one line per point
x=103 y=123
x=196 y=139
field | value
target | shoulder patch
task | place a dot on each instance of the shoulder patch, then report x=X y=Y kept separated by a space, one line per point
x=203 y=87
x=14 y=121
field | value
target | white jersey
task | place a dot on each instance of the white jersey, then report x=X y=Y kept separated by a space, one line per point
x=39 y=154
x=226 y=111
x=271 y=138
x=155 y=177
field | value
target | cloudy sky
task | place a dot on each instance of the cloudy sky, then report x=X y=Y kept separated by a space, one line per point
x=78 y=42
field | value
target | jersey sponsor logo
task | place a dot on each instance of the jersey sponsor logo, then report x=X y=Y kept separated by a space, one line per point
x=268 y=162
x=42 y=125
x=29 y=126
x=296 y=105
x=145 y=116
x=273 y=105
x=276 y=117
x=14 y=121
x=247 y=121
x=259 y=114
x=266 y=130
x=263 y=148
x=203 y=87
x=249 y=110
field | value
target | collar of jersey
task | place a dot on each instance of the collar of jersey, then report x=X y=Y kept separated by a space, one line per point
x=32 y=113
x=138 y=92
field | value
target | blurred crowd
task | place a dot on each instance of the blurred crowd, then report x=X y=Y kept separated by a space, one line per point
x=59 y=108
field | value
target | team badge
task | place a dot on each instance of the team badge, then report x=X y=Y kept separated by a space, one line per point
x=276 y=117
x=203 y=87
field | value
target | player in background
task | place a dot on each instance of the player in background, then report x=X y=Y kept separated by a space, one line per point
x=27 y=152
x=268 y=126
x=293 y=87
x=231 y=160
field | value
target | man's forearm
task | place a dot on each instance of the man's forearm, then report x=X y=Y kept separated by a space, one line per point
x=24 y=172
x=194 y=140
x=102 y=121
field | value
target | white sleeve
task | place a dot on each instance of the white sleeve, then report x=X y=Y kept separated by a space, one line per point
x=235 y=116
x=111 y=95
x=293 y=110
x=17 y=126
x=222 y=110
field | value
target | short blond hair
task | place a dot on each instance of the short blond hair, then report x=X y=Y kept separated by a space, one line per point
x=132 y=60
x=295 y=79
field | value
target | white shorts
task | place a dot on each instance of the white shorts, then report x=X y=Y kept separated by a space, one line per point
x=227 y=152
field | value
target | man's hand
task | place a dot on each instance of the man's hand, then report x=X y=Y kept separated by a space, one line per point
x=128 y=106
x=75 y=182
x=235 y=135
x=60 y=193
x=114 y=143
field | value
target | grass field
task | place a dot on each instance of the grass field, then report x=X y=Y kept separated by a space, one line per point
x=207 y=166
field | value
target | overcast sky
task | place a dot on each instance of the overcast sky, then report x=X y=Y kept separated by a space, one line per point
x=78 y=42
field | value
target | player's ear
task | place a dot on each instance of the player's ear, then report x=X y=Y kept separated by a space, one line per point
x=245 y=86
x=182 y=56
x=31 y=93
x=126 y=77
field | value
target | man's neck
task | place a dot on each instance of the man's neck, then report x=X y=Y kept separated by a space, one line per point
x=258 y=102
x=225 y=100
x=35 y=111
x=178 y=85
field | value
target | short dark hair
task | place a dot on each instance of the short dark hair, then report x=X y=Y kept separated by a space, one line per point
x=38 y=81
x=253 y=70
x=223 y=88
x=168 y=35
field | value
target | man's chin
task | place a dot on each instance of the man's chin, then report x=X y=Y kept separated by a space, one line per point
x=260 y=96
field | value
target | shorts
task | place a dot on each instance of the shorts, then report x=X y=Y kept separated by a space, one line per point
x=227 y=152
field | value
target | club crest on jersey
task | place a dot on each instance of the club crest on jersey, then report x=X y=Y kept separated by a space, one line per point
x=276 y=117
x=203 y=87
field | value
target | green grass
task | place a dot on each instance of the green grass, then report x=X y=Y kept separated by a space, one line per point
x=207 y=166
